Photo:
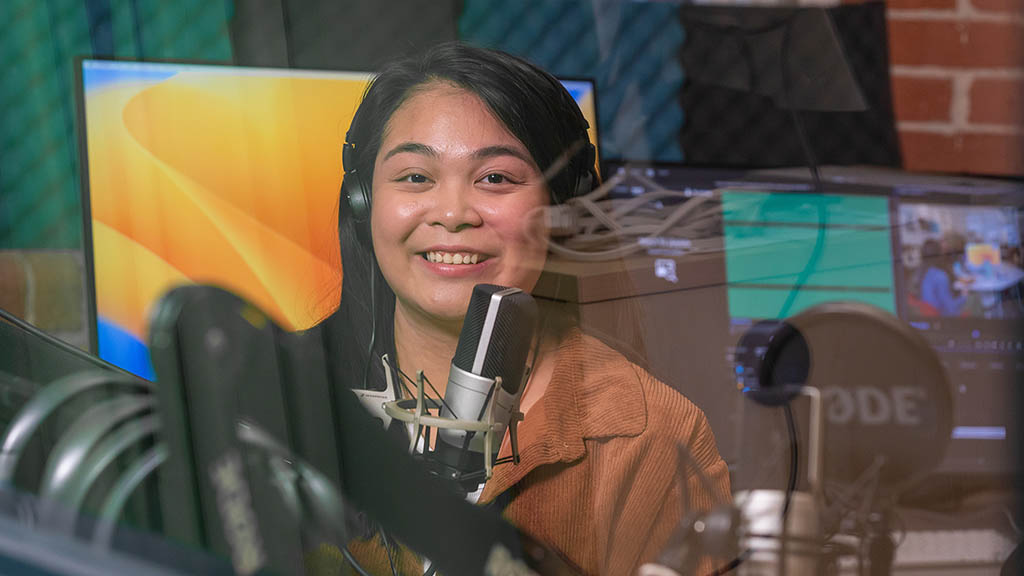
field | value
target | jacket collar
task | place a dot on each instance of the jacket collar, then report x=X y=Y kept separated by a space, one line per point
x=594 y=393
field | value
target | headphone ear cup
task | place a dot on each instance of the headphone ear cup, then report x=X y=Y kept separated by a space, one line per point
x=357 y=201
x=355 y=191
x=587 y=179
x=358 y=198
x=585 y=183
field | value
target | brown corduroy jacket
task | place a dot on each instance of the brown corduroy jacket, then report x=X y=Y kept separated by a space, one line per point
x=599 y=478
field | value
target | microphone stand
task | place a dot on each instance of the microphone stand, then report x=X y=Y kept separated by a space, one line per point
x=766 y=521
x=880 y=546
x=814 y=467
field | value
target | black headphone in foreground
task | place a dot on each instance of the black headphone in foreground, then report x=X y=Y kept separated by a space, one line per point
x=356 y=191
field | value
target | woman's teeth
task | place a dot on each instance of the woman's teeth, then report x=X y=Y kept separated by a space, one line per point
x=452 y=257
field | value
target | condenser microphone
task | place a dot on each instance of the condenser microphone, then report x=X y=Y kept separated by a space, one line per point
x=486 y=377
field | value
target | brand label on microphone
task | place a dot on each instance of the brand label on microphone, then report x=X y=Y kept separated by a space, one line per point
x=872 y=406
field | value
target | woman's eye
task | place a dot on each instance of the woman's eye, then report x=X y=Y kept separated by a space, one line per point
x=495 y=179
x=415 y=179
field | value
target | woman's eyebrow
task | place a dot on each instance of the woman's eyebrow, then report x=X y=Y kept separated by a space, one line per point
x=492 y=151
x=413 y=147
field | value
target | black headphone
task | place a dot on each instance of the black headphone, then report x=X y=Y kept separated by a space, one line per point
x=778 y=355
x=356 y=191
x=586 y=176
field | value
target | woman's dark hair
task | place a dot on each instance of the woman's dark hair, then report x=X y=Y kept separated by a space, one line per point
x=530 y=103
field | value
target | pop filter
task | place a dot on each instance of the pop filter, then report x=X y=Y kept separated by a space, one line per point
x=888 y=402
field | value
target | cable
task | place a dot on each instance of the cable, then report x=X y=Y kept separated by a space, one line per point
x=812 y=261
x=805 y=145
x=373 y=322
x=602 y=224
x=794 y=455
x=812 y=164
x=794 y=469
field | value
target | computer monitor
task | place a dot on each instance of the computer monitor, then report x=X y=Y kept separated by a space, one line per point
x=584 y=92
x=214 y=174
x=960 y=285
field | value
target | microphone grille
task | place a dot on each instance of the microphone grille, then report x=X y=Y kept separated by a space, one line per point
x=499 y=346
x=473 y=325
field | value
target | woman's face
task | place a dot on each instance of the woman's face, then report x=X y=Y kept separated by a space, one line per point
x=457 y=201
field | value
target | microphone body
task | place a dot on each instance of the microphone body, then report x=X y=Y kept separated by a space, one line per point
x=772 y=550
x=487 y=374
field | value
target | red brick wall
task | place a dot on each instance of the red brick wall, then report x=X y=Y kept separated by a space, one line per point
x=958 y=84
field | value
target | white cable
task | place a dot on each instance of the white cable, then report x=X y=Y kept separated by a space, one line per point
x=608 y=229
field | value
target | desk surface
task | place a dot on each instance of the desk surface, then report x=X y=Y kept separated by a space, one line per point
x=637 y=275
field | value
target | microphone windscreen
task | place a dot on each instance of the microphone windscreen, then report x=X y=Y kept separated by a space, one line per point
x=887 y=398
x=497 y=334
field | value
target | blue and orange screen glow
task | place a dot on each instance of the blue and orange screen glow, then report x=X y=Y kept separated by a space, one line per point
x=217 y=175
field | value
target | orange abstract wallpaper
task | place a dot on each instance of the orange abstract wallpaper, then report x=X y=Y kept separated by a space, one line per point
x=212 y=175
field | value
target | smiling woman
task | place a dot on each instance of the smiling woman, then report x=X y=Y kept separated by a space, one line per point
x=451 y=187
x=451 y=161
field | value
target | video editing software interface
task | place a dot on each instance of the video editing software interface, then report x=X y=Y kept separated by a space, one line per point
x=216 y=175
x=947 y=263
x=960 y=271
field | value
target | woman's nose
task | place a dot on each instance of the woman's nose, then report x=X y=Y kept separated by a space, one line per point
x=455 y=208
